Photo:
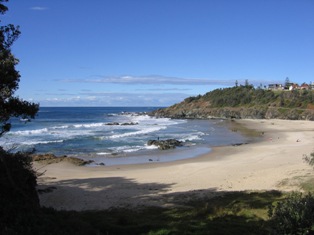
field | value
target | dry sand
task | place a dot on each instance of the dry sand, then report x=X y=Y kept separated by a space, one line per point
x=275 y=162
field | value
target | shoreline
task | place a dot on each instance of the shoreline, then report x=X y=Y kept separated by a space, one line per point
x=172 y=155
x=274 y=162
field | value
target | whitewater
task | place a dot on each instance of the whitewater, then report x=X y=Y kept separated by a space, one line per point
x=113 y=135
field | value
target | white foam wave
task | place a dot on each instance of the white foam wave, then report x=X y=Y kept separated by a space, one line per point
x=30 y=143
x=191 y=137
x=127 y=149
x=90 y=125
x=135 y=133
x=103 y=153
x=44 y=142
x=31 y=132
x=60 y=127
x=145 y=119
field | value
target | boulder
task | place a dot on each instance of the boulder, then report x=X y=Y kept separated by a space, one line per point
x=165 y=144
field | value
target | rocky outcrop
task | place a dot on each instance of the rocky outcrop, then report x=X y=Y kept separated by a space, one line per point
x=190 y=111
x=165 y=144
x=243 y=103
x=51 y=158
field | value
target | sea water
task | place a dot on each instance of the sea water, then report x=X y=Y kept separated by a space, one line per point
x=114 y=135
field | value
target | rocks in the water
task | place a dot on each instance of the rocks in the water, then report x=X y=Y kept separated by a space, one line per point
x=51 y=158
x=122 y=124
x=129 y=123
x=165 y=144
x=113 y=124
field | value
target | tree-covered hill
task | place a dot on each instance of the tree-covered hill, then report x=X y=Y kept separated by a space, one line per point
x=245 y=102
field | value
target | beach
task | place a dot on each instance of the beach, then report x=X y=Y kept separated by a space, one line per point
x=275 y=162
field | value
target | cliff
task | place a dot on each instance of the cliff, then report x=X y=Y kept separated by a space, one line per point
x=244 y=102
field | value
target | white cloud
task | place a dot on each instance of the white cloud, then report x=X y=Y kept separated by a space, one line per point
x=163 y=80
x=114 y=99
x=38 y=8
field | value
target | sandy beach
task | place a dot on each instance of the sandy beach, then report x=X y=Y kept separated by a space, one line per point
x=274 y=162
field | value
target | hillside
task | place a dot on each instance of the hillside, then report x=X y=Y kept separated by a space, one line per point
x=245 y=102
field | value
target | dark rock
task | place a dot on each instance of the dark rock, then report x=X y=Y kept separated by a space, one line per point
x=238 y=144
x=112 y=124
x=122 y=124
x=51 y=158
x=165 y=144
x=129 y=123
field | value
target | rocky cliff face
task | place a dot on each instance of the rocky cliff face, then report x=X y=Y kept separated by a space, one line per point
x=202 y=110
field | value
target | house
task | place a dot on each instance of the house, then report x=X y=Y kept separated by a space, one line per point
x=304 y=86
x=293 y=86
x=275 y=87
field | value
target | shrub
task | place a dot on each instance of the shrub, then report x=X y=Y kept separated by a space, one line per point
x=18 y=195
x=294 y=215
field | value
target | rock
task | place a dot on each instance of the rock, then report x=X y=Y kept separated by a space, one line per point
x=165 y=144
x=122 y=124
x=51 y=158
x=112 y=124
x=129 y=123
x=239 y=144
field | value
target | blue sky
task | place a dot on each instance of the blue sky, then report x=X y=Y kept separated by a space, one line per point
x=156 y=52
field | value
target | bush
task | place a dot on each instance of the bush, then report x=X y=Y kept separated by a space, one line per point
x=294 y=215
x=18 y=195
x=309 y=159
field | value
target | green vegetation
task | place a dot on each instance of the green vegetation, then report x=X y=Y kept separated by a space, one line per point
x=294 y=215
x=248 y=96
x=10 y=106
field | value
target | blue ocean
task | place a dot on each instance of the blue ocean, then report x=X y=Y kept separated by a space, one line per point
x=114 y=135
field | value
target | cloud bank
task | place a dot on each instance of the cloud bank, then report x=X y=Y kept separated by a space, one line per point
x=163 y=80
x=113 y=99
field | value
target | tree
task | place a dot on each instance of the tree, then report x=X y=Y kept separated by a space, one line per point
x=10 y=105
x=17 y=178
x=287 y=83
x=246 y=83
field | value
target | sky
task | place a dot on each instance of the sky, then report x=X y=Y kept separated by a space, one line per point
x=156 y=52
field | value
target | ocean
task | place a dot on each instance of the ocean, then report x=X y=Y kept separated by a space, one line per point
x=115 y=135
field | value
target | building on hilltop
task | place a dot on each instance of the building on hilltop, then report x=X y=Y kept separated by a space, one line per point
x=275 y=87
x=305 y=86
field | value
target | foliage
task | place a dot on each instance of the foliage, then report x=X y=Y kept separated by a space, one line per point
x=294 y=215
x=248 y=96
x=309 y=159
x=10 y=106
x=18 y=195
